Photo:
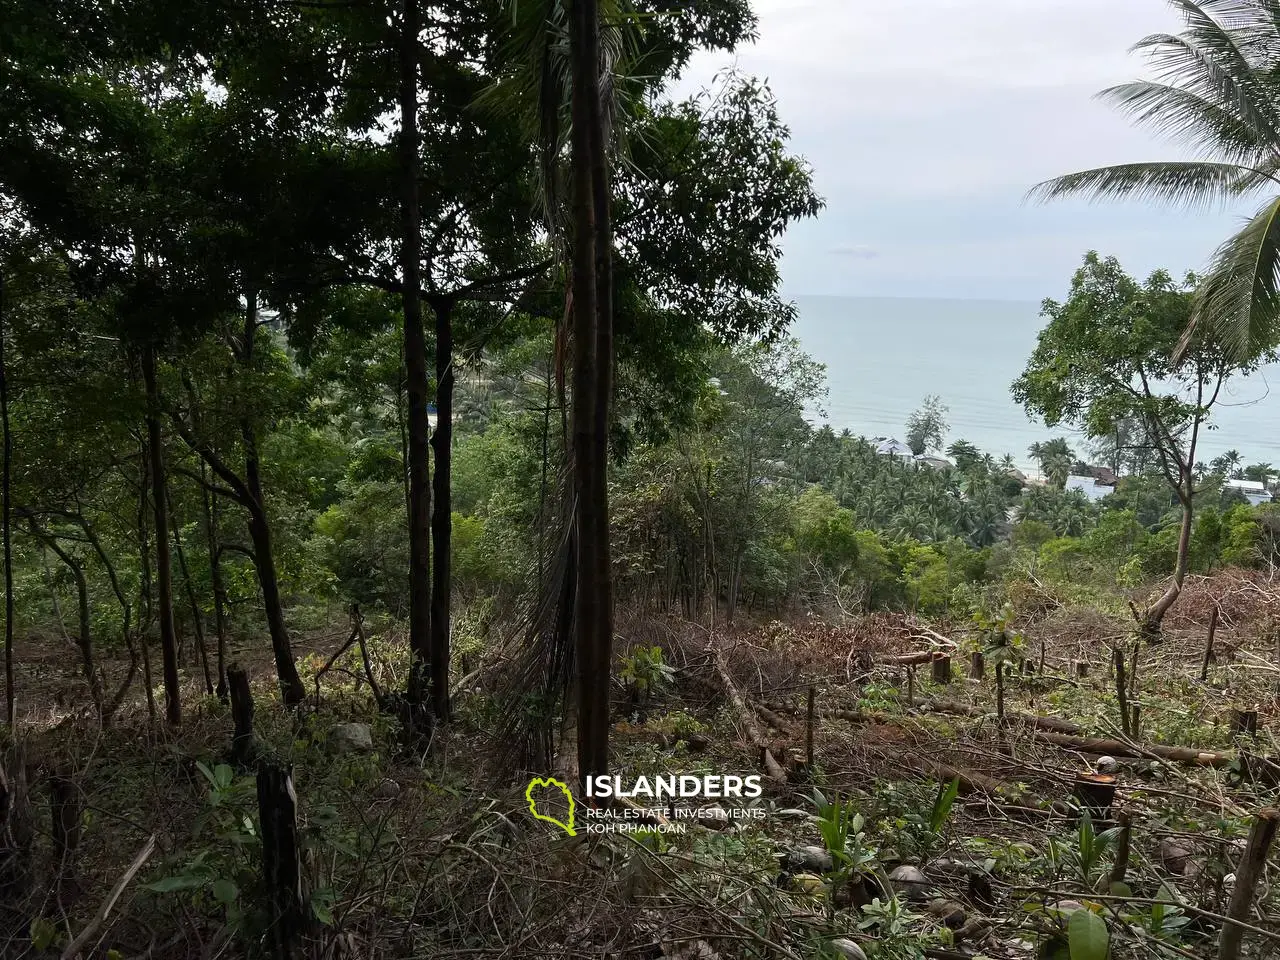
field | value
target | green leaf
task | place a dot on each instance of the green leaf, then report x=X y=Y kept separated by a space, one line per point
x=43 y=933
x=1087 y=936
x=322 y=901
x=224 y=891
x=181 y=881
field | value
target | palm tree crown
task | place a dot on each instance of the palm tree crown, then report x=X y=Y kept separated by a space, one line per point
x=1216 y=91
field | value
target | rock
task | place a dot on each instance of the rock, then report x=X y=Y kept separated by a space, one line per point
x=810 y=858
x=1106 y=765
x=1061 y=808
x=386 y=789
x=807 y=883
x=697 y=742
x=911 y=881
x=1066 y=907
x=1175 y=856
x=846 y=948
x=715 y=817
x=949 y=912
x=351 y=738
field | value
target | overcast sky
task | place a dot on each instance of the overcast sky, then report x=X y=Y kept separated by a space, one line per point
x=926 y=121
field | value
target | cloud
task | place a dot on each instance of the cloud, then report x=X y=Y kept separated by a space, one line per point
x=926 y=121
x=857 y=251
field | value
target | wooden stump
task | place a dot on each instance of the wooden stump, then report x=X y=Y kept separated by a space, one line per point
x=1252 y=864
x=977 y=665
x=1081 y=669
x=242 y=740
x=1095 y=792
x=1244 y=723
x=17 y=830
x=281 y=865
x=941 y=669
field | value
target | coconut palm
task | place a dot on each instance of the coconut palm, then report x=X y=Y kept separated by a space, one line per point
x=1214 y=91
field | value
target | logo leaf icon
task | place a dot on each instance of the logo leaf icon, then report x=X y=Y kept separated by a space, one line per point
x=549 y=782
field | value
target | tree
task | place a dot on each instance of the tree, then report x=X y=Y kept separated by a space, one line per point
x=1214 y=94
x=927 y=426
x=965 y=455
x=1110 y=352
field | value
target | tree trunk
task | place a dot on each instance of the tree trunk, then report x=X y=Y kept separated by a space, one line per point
x=164 y=568
x=291 y=687
x=592 y=383
x=85 y=640
x=219 y=590
x=415 y=362
x=442 y=519
x=1155 y=614
x=6 y=513
x=197 y=619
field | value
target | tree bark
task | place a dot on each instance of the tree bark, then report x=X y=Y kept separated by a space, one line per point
x=1156 y=613
x=197 y=620
x=291 y=687
x=219 y=590
x=442 y=519
x=85 y=640
x=1253 y=863
x=415 y=361
x=6 y=516
x=281 y=859
x=164 y=568
x=592 y=384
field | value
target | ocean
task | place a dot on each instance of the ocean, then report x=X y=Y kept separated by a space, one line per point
x=884 y=355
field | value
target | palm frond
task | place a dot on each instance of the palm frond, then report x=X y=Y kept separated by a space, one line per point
x=1209 y=59
x=1181 y=115
x=1191 y=183
x=1239 y=299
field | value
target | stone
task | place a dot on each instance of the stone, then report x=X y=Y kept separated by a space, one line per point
x=386 y=789
x=1065 y=907
x=1107 y=765
x=812 y=858
x=949 y=912
x=911 y=881
x=715 y=817
x=846 y=948
x=351 y=738
x=1175 y=856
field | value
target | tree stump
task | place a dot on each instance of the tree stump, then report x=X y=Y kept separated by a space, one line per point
x=242 y=740
x=941 y=669
x=1096 y=792
x=1081 y=669
x=17 y=830
x=977 y=665
x=281 y=863
x=1244 y=723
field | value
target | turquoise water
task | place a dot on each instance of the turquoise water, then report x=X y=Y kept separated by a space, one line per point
x=884 y=355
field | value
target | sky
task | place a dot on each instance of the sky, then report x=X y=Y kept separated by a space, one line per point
x=926 y=121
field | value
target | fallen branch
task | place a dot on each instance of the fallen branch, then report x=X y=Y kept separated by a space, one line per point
x=88 y=933
x=1119 y=748
x=747 y=719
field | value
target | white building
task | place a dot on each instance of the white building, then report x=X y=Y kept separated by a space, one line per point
x=1091 y=487
x=889 y=447
x=1255 y=491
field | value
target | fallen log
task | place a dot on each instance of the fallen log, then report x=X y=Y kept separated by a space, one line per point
x=1118 y=748
x=747 y=719
x=1050 y=724
x=969 y=781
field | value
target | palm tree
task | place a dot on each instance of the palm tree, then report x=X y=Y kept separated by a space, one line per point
x=1215 y=92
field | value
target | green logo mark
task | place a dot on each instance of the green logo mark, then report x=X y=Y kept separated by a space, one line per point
x=533 y=803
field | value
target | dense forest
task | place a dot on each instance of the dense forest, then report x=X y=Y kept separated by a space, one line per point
x=399 y=402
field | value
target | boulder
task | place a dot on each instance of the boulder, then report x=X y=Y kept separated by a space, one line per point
x=351 y=738
x=810 y=858
x=1175 y=856
x=911 y=881
x=386 y=789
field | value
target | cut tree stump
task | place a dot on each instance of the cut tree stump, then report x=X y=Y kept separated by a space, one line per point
x=977 y=665
x=941 y=670
x=1244 y=723
x=1096 y=793
x=242 y=740
x=17 y=829
x=281 y=863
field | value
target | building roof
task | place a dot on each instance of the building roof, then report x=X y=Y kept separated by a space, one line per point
x=1250 y=486
x=891 y=447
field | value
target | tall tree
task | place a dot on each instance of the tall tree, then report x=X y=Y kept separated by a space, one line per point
x=1109 y=352
x=1214 y=93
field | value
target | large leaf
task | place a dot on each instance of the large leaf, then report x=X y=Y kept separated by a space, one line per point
x=1087 y=936
x=181 y=881
x=1240 y=298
